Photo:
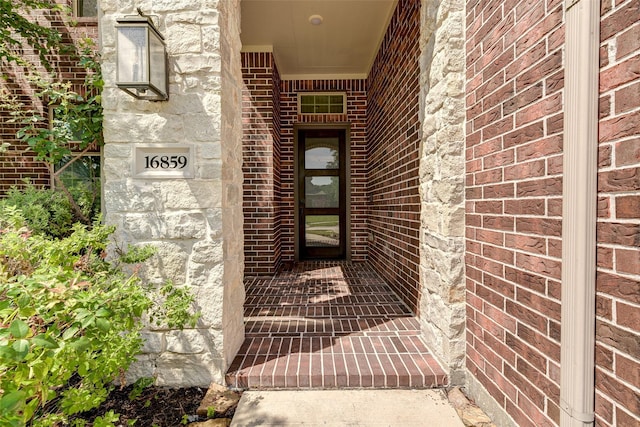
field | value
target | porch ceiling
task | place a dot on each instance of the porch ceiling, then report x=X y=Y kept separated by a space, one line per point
x=344 y=45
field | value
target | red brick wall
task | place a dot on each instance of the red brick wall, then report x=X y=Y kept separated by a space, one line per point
x=19 y=162
x=260 y=140
x=393 y=154
x=269 y=113
x=618 y=233
x=356 y=117
x=513 y=208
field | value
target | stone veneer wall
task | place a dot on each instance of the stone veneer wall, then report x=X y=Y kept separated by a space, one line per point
x=442 y=307
x=196 y=224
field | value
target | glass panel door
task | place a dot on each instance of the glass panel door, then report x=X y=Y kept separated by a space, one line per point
x=321 y=193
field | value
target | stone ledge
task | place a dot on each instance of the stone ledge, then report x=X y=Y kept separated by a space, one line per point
x=470 y=414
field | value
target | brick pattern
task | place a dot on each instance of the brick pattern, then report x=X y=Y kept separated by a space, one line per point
x=618 y=233
x=330 y=325
x=393 y=155
x=356 y=117
x=269 y=114
x=260 y=142
x=513 y=204
x=18 y=162
x=277 y=182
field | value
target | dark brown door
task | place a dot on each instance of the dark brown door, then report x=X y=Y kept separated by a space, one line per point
x=321 y=193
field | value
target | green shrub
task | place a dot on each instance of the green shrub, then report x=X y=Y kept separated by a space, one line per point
x=45 y=211
x=50 y=211
x=70 y=321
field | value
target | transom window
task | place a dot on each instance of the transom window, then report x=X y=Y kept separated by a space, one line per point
x=322 y=103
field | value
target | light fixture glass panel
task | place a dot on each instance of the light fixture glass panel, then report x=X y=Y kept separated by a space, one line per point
x=132 y=55
x=158 y=70
x=322 y=231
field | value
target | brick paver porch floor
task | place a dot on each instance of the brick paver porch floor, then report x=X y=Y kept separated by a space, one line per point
x=330 y=325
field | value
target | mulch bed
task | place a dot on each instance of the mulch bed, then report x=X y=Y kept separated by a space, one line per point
x=154 y=407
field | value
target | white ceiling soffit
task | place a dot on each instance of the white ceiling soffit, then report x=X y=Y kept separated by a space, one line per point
x=343 y=45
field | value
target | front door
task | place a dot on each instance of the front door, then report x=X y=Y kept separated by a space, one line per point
x=321 y=193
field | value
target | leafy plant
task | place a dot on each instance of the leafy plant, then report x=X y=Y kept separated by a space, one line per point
x=76 y=117
x=44 y=211
x=211 y=411
x=16 y=29
x=70 y=123
x=139 y=386
x=70 y=321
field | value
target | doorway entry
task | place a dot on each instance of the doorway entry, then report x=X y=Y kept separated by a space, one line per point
x=321 y=193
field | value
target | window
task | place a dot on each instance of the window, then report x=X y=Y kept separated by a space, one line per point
x=322 y=103
x=80 y=175
x=78 y=172
x=85 y=8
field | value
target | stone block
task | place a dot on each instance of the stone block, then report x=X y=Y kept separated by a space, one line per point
x=209 y=151
x=142 y=226
x=183 y=218
x=153 y=342
x=207 y=252
x=118 y=151
x=189 y=370
x=200 y=128
x=143 y=367
x=211 y=38
x=184 y=225
x=209 y=170
x=183 y=38
x=214 y=220
x=185 y=104
x=173 y=6
x=188 y=341
x=220 y=398
x=131 y=196
x=209 y=301
x=191 y=63
x=115 y=168
x=204 y=274
x=470 y=414
x=169 y=263
x=190 y=194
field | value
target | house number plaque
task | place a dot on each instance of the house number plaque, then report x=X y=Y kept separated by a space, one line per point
x=163 y=161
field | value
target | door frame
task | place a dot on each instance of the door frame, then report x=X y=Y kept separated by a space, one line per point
x=346 y=127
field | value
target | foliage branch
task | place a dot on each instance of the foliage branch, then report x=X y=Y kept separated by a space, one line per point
x=70 y=321
x=70 y=120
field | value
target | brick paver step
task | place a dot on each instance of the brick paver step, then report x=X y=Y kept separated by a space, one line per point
x=330 y=325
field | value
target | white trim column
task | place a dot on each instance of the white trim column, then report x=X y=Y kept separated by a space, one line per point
x=577 y=358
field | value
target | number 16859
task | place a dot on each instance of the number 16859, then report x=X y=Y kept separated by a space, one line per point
x=165 y=162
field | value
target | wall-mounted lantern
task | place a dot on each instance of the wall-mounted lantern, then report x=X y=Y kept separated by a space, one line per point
x=142 y=69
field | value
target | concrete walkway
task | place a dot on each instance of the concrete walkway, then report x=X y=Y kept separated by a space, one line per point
x=353 y=408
